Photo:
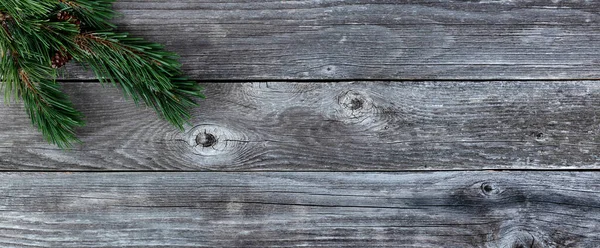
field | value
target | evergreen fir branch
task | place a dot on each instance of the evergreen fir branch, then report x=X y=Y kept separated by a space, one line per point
x=49 y=109
x=95 y=14
x=37 y=36
x=143 y=70
x=36 y=39
x=24 y=9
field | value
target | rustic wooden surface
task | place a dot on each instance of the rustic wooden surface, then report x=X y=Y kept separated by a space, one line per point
x=365 y=39
x=330 y=123
x=343 y=126
x=425 y=209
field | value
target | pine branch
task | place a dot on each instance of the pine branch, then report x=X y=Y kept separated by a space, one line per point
x=48 y=108
x=94 y=13
x=24 y=9
x=143 y=70
x=38 y=36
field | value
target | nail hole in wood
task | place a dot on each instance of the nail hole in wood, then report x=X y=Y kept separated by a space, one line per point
x=206 y=139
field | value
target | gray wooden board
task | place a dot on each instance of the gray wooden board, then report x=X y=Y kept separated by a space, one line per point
x=323 y=209
x=364 y=39
x=346 y=126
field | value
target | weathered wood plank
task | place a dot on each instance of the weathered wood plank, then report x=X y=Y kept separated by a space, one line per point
x=383 y=126
x=441 y=209
x=363 y=39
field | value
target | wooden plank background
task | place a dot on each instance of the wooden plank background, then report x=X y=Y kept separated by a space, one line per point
x=342 y=126
x=365 y=39
x=330 y=123
x=293 y=209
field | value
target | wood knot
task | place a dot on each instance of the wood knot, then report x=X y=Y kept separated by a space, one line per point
x=539 y=136
x=519 y=238
x=483 y=191
x=489 y=189
x=524 y=240
x=206 y=139
x=355 y=106
x=328 y=70
x=215 y=140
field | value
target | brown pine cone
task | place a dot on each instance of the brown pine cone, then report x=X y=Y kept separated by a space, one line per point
x=66 y=16
x=60 y=59
x=3 y=18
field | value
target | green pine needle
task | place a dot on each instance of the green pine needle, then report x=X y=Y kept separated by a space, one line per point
x=50 y=109
x=95 y=13
x=36 y=35
x=144 y=71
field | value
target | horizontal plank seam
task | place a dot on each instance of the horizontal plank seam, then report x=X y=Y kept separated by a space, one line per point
x=297 y=171
x=67 y=81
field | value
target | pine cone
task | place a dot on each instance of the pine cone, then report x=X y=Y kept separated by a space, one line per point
x=3 y=18
x=66 y=16
x=60 y=59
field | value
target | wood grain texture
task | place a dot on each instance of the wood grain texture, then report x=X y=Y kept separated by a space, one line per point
x=364 y=39
x=442 y=209
x=349 y=126
x=279 y=132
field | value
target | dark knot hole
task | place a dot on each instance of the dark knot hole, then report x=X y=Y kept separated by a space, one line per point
x=356 y=104
x=489 y=189
x=206 y=139
x=537 y=135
